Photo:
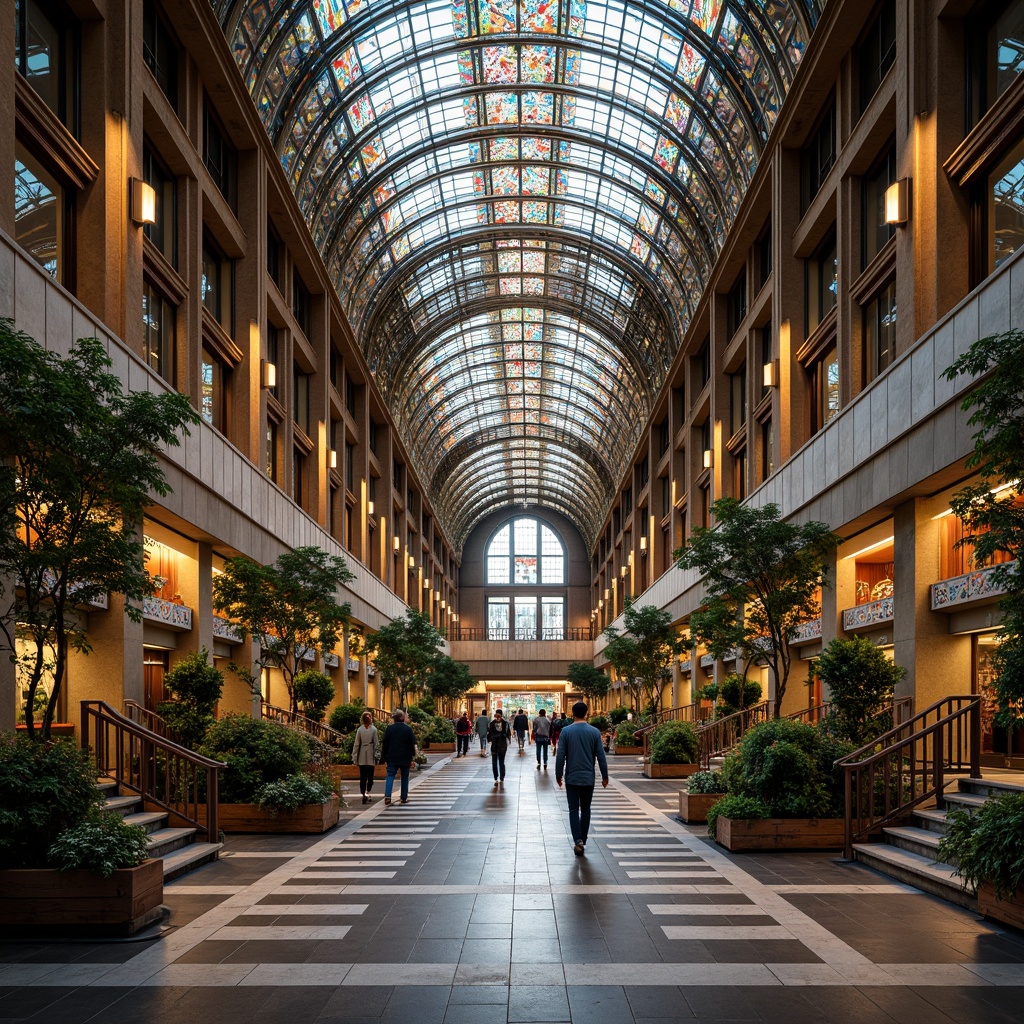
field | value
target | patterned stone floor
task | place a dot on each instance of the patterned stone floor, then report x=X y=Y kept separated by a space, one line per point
x=468 y=905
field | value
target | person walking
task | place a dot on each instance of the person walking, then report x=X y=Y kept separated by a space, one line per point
x=498 y=735
x=482 y=725
x=398 y=751
x=557 y=721
x=580 y=746
x=520 y=726
x=542 y=736
x=463 y=730
x=365 y=753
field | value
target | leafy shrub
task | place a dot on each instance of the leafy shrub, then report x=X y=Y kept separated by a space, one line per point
x=345 y=717
x=291 y=793
x=427 y=704
x=732 y=686
x=417 y=715
x=787 y=766
x=600 y=722
x=343 y=752
x=313 y=691
x=861 y=682
x=986 y=846
x=707 y=692
x=737 y=808
x=103 y=844
x=707 y=782
x=618 y=714
x=256 y=752
x=45 y=788
x=195 y=687
x=625 y=735
x=440 y=730
x=674 y=743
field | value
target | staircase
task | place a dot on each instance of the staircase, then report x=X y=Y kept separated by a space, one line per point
x=176 y=846
x=909 y=853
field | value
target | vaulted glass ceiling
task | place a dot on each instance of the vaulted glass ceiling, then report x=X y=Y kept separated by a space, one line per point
x=520 y=203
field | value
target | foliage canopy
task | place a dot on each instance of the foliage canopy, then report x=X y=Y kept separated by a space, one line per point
x=642 y=654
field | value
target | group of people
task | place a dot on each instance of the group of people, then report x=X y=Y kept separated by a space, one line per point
x=577 y=745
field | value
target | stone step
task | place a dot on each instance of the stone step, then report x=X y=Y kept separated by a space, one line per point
x=149 y=820
x=122 y=804
x=167 y=840
x=180 y=862
x=913 y=869
x=916 y=840
x=968 y=801
x=988 y=787
x=932 y=820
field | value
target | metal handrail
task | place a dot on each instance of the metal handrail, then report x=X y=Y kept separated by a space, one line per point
x=716 y=737
x=150 y=720
x=907 y=765
x=499 y=633
x=162 y=772
x=812 y=715
x=323 y=733
x=682 y=713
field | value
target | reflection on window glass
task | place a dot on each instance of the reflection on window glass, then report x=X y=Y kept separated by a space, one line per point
x=497 y=618
x=158 y=332
x=826 y=385
x=526 y=618
x=523 y=565
x=552 y=618
x=822 y=283
x=880 y=331
x=39 y=213
x=1006 y=49
x=876 y=231
x=1006 y=208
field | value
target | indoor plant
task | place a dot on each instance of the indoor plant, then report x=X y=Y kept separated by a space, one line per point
x=673 y=751
x=699 y=793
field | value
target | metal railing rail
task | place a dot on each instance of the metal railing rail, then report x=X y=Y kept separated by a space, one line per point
x=320 y=732
x=162 y=772
x=721 y=735
x=496 y=633
x=885 y=779
x=682 y=713
x=150 y=720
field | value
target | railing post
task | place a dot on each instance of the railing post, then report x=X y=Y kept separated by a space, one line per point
x=975 y=716
x=212 y=822
x=848 y=821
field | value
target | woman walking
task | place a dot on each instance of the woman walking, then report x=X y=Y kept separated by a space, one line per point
x=463 y=731
x=365 y=753
x=499 y=732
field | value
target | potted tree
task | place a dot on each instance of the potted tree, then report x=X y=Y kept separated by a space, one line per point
x=314 y=692
x=99 y=880
x=699 y=794
x=673 y=751
x=195 y=686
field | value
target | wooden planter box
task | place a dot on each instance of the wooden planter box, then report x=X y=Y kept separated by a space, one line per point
x=249 y=818
x=40 y=902
x=58 y=730
x=440 y=748
x=694 y=807
x=738 y=834
x=338 y=772
x=668 y=771
x=628 y=751
x=1009 y=911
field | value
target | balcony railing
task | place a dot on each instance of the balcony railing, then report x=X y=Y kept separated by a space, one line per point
x=167 y=613
x=971 y=586
x=495 y=633
x=864 y=616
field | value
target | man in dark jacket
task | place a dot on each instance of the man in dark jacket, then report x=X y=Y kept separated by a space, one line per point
x=579 y=746
x=398 y=751
x=520 y=726
x=499 y=732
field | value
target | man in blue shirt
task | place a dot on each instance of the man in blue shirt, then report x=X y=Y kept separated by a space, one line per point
x=579 y=745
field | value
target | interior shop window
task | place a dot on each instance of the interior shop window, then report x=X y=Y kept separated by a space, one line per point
x=158 y=333
x=877 y=52
x=216 y=376
x=1004 y=210
x=825 y=376
x=163 y=232
x=822 y=275
x=46 y=54
x=995 y=54
x=876 y=232
x=41 y=215
x=159 y=51
x=880 y=331
x=818 y=156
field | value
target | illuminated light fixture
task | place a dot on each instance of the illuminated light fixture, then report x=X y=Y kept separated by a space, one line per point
x=643 y=545
x=709 y=458
x=143 y=200
x=396 y=543
x=897 y=202
x=607 y=593
x=369 y=508
x=268 y=374
x=623 y=571
x=442 y=606
x=771 y=374
x=870 y=547
x=332 y=458
x=600 y=604
x=426 y=584
x=412 y=562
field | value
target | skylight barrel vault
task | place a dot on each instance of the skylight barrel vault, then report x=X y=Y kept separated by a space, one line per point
x=520 y=203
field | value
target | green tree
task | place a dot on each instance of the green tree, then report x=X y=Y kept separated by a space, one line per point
x=761 y=578
x=591 y=682
x=79 y=463
x=993 y=516
x=861 y=682
x=314 y=691
x=449 y=680
x=290 y=606
x=195 y=687
x=642 y=655
x=404 y=653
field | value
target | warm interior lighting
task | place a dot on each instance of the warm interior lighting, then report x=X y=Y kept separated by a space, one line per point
x=623 y=571
x=897 y=202
x=709 y=458
x=600 y=604
x=396 y=543
x=369 y=508
x=268 y=374
x=643 y=545
x=143 y=199
x=412 y=562
x=870 y=547
x=332 y=459
x=426 y=584
x=771 y=374
x=607 y=593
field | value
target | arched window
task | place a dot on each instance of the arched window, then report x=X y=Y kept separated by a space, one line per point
x=528 y=554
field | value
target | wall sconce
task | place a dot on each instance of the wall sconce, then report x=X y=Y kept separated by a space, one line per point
x=143 y=201
x=395 y=543
x=426 y=584
x=607 y=593
x=897 y=202
x=709 y=458
x=443 y=606
x=771 y=374
x=369 y=508
x=623 y=571
x=643 y=545
x=268 y=374
x=600 y=604
x=332 y=459
x=412 y=562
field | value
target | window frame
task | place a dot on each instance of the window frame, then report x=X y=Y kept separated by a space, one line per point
x=539 y=555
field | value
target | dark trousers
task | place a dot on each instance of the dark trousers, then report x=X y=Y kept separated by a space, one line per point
x=498 y=763
x=462 y=742
x=365 y=778
x=521 y=736
x=542 y=743
x=579 y=799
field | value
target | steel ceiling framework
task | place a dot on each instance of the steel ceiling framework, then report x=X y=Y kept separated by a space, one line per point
x=519 y=203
